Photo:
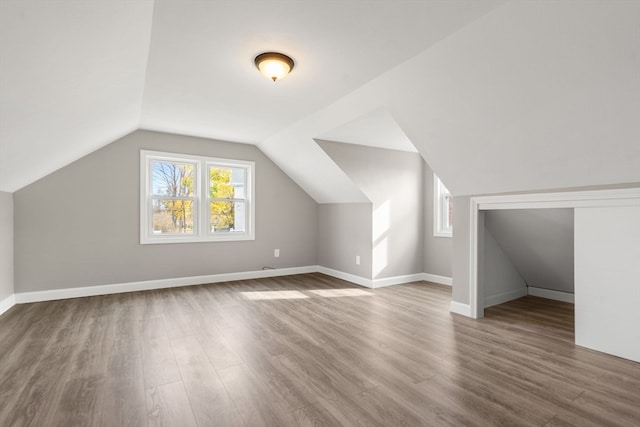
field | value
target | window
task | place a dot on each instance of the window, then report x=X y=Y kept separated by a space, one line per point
x=188 y=198
x=442 y=209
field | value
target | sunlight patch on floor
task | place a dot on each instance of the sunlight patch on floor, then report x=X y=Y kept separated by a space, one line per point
x=332 y=293
x=274 y=295
x=324 y=293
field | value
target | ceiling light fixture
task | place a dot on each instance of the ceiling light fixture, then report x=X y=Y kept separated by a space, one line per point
x=274 y=65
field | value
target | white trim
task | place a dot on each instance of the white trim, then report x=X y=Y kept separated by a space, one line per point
x=575 y=199
x=490 y=301
x=460 y=308
x=86 y=291
x=7 y=303
x=200 y=199
x=397 y=280
x=358 y=280
x=551 y=294
x=439 y=230
x=442 y=280
x=385 y=281
x=56 y=294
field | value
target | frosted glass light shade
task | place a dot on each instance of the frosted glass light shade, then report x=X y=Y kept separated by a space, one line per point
x=273 y=65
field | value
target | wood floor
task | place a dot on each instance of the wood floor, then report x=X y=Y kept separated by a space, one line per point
x=304 y=350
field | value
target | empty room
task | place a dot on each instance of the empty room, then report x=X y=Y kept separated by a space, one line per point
x=319 y=213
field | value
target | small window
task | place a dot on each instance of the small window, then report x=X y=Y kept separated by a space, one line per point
x=188 y=198
x=442 y=209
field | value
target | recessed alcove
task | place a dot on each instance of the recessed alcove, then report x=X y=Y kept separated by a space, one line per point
x=606 y=249
x=528 y=252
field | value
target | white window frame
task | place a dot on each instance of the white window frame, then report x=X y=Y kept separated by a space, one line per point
x=441 y=209
x=201 y=207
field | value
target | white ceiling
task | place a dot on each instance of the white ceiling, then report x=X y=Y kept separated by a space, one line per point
x=375 y=129
x=72 y=75
x=201 y=78
x=77 y=75
x=520 y=95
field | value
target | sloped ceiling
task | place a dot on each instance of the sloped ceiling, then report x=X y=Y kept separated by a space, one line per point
x=201 y=77
x=532 y=96
x=72 y=77
x=519 y=95
x=539 y=243
x=376 y=129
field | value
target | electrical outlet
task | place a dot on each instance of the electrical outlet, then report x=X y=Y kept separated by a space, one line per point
x=357 y=259
x=276 y=253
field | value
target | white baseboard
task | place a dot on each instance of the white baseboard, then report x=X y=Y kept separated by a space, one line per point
x=358 y=280
x=56 y=294
x=398 y=280
x=7 y=303
x=86 y=291
x=442 y=280
x=385 y=281
x=504 y=297
x=460 y=308
x=550 y=294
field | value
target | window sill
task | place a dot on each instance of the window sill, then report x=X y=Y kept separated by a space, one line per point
x=443 y=234
x=196 y=239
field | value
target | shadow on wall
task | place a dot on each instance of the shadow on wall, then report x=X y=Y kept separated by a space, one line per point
x=539 y=243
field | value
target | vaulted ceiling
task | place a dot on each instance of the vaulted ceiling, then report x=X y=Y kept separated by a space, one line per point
x=496 y=95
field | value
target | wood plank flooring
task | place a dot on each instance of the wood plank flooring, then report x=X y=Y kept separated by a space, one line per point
x=306 y=350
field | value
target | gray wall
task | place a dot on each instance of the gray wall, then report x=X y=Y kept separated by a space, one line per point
x=539 y=242
x=344 y=232
x=6 y=245
x=393 y=181
x=501 y=280
x=437 y=250
x=461 y=249
x=79 y=226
